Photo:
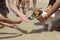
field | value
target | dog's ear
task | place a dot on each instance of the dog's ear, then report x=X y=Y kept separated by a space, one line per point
x=40 y=12
x=35 y=12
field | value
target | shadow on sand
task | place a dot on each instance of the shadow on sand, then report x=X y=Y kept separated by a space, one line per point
x=10 y=36
x=38 y=24
x=36 y=31
x=16 y=34
x=1 y=33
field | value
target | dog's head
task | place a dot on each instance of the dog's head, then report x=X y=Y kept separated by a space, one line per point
x=36 y=13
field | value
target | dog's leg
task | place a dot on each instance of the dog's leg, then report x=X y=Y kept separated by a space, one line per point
x=49 y=23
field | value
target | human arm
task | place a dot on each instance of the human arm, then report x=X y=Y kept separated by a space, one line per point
x=18 y=12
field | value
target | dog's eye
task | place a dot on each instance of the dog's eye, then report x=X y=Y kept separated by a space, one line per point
x=34 y=14
x=39 y=13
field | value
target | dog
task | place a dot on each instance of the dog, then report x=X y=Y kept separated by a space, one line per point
x=47 y=24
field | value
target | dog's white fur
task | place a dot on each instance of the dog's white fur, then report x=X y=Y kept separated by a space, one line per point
x=45 y=14
x=49 y=21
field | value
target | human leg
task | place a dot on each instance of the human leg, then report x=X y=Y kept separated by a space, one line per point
x=34 y=3
x=18 y=2
x=27 y=5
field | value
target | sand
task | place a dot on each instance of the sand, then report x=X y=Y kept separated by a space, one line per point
x=7 y=33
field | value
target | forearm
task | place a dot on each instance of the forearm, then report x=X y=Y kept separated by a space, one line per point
x=34 y=3
x=5 y=24
x=13 y=7
x=54 y=8
x=7 y=20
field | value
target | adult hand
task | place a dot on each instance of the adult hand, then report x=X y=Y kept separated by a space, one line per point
x=24 y=18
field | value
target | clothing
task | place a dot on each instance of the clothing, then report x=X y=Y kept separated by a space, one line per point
x=4 y=11
x=0 y=0
x=56 y=21
x=3 y=8
x=51 y=2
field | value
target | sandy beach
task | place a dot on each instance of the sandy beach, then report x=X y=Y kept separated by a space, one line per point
x=7 y=33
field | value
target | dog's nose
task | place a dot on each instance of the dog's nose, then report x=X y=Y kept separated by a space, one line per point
x=30 y=18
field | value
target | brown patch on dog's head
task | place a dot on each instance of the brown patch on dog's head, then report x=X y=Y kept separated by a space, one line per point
x=36 y=13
